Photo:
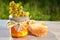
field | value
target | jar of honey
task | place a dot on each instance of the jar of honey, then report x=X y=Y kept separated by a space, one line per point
x=18 y=26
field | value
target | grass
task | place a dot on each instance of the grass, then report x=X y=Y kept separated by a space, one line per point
x=37 y=11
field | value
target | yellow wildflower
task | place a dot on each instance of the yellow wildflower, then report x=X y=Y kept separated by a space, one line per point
x=12 y=3
x=17 y=5
x=10 y=10
x=21 y=7
x=21 y=14
x=27 y=14
x=15 y=15
x=20 y=10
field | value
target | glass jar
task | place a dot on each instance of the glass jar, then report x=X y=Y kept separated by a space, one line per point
x=22 y=20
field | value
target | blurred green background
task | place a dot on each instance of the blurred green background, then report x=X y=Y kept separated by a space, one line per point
x=46 y=10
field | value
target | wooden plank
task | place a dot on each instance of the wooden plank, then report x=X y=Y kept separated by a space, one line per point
x=54 y=31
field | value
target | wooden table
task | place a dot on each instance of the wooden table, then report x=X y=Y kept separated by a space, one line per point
x=53 y=34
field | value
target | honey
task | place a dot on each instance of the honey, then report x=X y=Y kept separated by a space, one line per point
x=21 y=33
